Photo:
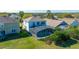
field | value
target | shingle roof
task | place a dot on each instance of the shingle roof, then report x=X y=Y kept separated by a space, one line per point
x=53 y=22
x=6 y=19
x=33 y=18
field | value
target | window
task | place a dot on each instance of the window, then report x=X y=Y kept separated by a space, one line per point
x=43 y=23
x=2 y=32
x=33 y=25
x=38 y=23
x=13 y=30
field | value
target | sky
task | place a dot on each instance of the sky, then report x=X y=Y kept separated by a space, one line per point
x=44 y=11
x=53 y=11
x=39 y=5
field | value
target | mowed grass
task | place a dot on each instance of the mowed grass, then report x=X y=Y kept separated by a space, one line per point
x=30 y=43
x=23 y=43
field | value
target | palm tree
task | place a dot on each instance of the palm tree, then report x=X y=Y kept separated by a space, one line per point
x=49 y=14
x=21 y=14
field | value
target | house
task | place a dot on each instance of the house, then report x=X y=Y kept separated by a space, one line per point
x=71 y=21
x=56 y=23
x=75 y=23
x=55 y=17
x=14 y=16
x=37 y=26
x=8 y=25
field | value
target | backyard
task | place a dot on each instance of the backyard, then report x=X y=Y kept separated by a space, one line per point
x=23 y=40
x=30 y=43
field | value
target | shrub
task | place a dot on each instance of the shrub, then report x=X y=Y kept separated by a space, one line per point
x=62 y=38
x=73 y=32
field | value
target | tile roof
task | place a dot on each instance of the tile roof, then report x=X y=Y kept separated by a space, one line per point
x=53 y=22
x=68 y=20
x=6 y=19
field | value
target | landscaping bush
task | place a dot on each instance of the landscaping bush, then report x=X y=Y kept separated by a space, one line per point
x=62 y=38
x=73 y=32
x=24 y=33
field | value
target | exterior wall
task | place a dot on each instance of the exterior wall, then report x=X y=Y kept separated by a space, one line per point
x=75 y=23
x=10 y=28
x=26 y=25
x=1 y=26
x=47 y=23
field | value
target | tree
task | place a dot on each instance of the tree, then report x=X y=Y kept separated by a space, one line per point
x=21 y=14
x=60 y=38
x=73 y=32
x=49 y=14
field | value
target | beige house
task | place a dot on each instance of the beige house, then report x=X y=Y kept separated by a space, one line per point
x=56 y=23
x=8 y=26
x=69 y=21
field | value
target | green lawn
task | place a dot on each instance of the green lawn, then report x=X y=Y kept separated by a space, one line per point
x=27 y=42
x=30 y=43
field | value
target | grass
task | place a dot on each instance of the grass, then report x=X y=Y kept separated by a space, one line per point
x=24 y=41
x=30 y=43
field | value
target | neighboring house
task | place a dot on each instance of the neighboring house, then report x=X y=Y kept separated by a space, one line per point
x=8 y=26
x=14 y=16
x=75 y=23
x=71 y=21
x=55 y=17
x=56 y=23
x=37 y=26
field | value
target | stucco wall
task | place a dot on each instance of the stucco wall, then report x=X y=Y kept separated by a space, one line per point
x=27 y=26
x=8 y=27
x=1 y=26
